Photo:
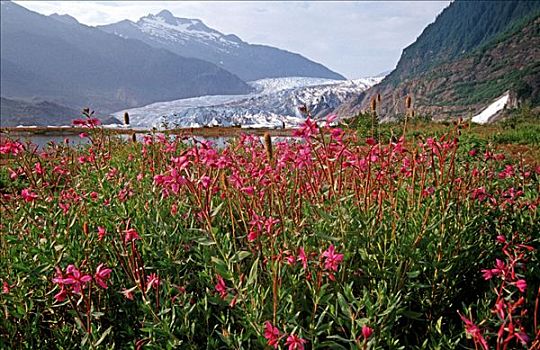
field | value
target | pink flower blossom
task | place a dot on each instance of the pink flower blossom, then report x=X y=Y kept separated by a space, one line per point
x=474 y=332
x=101 y=233
x=11 y=147
x=88 y=122
x=371 y=141
x=75 y=278
x=269 y=223
x=487 y=274
x=271 y=333
x=128 y=293
x=102 y=275
x=367 y=332
x=38 y=168
x=61 y=295
x=252 y=235
x=5 y=288
x=331 y=118
x=302 y=257
x=295 y=343
x=131 y=235
x=205 y=181
x=174 y=209
x=521 y=285
x=290 y=259
x=221 y=287
x=249 y=190
x=28 y=195
x=307 y=129
x=332 y=259
x=153 y=280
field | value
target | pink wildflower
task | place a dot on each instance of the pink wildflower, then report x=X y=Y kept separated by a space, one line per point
x=307 y=129
x=11 y=147
x=252 y=235
x=205 y=181
x=371 y=141
x=271 y=334
x=128 y=293
x=302 y=257
x=487 y=274
x=5 y=288
x=521 y=285
x=474 y=332
x=332 y=259
x=367 y=332
x=76 y=279
x=131 y=235
x=28 y=195
x=221 y=287
x=102 y=275
x=38 y=168
x=269 y=223
x=295 y=343
x=290 y=259
x=153 y=280
x=101 y=233
x=174 y=209
x=61 y=295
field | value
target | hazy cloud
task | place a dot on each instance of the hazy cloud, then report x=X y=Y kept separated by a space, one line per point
x=354 y=38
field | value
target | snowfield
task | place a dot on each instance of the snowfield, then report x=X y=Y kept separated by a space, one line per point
x=494 y=108
x=274 y=104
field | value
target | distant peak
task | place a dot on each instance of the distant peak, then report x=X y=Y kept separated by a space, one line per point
x=64 y=18
x=167 y=16
x=165 y=13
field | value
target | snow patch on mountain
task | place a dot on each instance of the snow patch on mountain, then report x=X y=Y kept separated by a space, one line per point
x=274 y=104
x=487 y=114
x=164 y=26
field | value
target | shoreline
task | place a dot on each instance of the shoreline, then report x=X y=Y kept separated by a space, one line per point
x=205 y=131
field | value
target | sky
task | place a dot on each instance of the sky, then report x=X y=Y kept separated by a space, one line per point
x=354 y=38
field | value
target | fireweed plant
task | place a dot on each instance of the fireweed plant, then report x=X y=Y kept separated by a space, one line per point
x=326 y=240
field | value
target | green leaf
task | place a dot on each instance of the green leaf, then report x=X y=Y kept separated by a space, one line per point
x=345 y=308
x=239 y=256
x=104 y=335
x=413 y=274
x=252 y=278
x=205 y=240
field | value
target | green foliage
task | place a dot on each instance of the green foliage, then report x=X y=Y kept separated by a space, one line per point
x=461 y=28
x=521 y=127
x=413 y=240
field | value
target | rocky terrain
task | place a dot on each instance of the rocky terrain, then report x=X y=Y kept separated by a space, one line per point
x=451 y=83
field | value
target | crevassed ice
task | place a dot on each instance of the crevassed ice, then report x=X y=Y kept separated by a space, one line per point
x=274 y=103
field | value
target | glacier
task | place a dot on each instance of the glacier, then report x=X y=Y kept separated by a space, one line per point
x=273 y=104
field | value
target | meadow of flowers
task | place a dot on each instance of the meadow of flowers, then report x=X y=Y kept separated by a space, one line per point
x=329 y=240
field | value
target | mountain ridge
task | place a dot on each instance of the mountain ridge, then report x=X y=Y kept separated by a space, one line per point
x=193 y=38
x=460 y=78
x=78 y=66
